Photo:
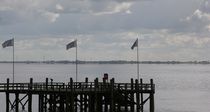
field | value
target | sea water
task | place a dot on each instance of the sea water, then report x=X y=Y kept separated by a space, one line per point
x=179 y=87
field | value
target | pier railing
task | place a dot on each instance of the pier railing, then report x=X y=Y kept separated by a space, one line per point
x=76 y=86
x=105 y=96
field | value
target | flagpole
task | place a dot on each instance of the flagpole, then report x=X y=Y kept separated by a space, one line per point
x=13 y=62
x=137 y=54
x=76 y=62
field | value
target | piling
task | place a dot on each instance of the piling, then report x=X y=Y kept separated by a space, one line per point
x=152 y=106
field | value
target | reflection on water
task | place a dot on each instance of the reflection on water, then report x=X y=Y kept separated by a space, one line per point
x=179 y=88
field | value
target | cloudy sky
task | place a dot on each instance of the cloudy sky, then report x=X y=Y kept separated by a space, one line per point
x=106 y=29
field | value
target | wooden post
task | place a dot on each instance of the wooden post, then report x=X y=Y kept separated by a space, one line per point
x=46 y=84
x=126 y=99
x=99 y=103
x=152 y=106
x=54 y=102
x=45 y=103
x=137 y=95
x=68 y=102
x=81 y=102
x=61 y=102
x=41 y=102
x=7 y=96
x=119 y=103
x=112 y=106
x=71 y=96
x=75 y=103
x=96 y=95
x=142 y=95
x=91 y=103
x=30 y=96
x=85 y=97
x=85 y=103
x=132 y=96
x=51 y=103
x=106 y=102
x=7 y=101
x=16 y=102
x=86 y=81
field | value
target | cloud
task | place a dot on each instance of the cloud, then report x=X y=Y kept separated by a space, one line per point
x=27 y=9
x=153 y=45
x=106 y=29
x=116 y=8
x=52 y=9
x=59 y=7
x=199 y=21
x=50 y=16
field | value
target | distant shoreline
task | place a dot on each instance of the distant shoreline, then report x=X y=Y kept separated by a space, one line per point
x=110 y=62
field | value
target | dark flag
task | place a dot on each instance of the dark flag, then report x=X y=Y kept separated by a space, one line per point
x=71 y=45
x=8 y=43
x=135 y=44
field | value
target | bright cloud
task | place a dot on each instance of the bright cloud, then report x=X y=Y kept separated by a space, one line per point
x=51 y=9
x=200 y=19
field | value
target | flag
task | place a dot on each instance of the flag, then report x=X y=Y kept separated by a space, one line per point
x=135 y=44
x=8 y=43
x=71 y=45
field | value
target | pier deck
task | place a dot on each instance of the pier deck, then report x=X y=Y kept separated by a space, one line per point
x=80 y=96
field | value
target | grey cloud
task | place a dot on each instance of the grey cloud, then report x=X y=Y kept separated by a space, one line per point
x=205 y=6
x=9 y=17
x=199 y=21
x=51 y=9
x=156 y=45
x=89 y=16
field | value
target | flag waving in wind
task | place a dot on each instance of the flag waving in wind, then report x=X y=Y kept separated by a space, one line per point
x=8 y=43
x=71 y=45
x=135 y=44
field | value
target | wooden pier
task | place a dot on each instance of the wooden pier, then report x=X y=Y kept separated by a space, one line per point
x=80 y=96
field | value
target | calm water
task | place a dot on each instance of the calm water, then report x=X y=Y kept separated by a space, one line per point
x=179 y=88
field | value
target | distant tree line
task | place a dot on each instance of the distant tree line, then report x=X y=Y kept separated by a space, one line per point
x=110 y=62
